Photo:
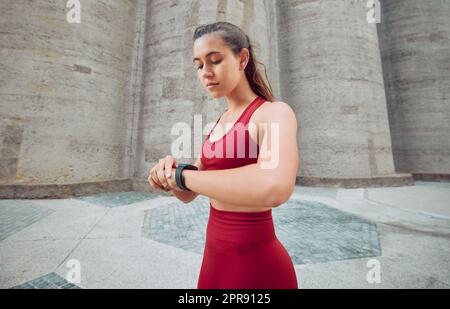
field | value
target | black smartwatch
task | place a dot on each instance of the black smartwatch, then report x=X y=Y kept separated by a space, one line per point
x=179 y=176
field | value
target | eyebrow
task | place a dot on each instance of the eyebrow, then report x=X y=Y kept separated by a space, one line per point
x=210 y=53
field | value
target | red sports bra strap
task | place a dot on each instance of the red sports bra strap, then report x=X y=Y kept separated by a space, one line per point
x=245 y=117
x=250 y=110
x=214 y=126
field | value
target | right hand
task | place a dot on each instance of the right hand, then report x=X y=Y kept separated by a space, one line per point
x=157 y=174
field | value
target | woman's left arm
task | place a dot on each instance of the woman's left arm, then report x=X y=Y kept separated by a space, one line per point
x=267 y=183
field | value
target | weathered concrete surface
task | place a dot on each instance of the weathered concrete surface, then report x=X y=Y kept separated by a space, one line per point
x=332 y=75
x=415 y=46
x=63 y=91
x=40 y=191
x=85 y=105
x=156 y=242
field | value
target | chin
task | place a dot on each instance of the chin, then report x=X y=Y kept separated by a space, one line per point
x=216 y=95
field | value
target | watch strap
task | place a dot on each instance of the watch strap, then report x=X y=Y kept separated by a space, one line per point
x=179 y=176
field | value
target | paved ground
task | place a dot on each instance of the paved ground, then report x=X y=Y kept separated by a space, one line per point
x=337 y=238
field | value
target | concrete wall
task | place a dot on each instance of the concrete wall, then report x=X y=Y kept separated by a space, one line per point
x=415 y=46
x=64 y=91
x=96 y=101
x=332 y=76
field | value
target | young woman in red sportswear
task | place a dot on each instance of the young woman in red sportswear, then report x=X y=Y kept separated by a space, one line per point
x=242 y=183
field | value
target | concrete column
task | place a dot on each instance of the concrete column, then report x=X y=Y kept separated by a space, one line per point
x=415 y=48
x=330 y=71
x=63 y=91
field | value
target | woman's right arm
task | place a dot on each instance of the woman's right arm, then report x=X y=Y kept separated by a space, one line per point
x=188 y=196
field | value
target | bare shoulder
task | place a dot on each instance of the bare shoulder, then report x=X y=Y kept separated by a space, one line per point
x=275 y=111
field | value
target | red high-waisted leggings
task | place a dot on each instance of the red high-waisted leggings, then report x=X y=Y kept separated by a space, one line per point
x=243 y=252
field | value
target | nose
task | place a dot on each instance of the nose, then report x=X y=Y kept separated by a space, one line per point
x=206 y=71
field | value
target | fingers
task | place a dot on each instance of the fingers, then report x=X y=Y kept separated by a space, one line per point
x=160 y=173
x=172 y=181
x=152 y=183
x=156 y=185
x=156 y=178
x=153 y=180
x=170 y=161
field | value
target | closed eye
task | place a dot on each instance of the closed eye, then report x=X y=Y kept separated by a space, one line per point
x=217 y=62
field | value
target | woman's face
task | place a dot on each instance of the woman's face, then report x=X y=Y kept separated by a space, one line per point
x=215 y=63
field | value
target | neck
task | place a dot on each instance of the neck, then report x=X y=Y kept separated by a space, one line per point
x=241 y=96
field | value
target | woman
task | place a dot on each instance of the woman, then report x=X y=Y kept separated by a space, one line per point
x=242 y=250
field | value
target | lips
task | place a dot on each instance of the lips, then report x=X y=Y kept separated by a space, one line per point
x=211 y=85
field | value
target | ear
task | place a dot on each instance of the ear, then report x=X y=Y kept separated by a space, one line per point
x=244 y=58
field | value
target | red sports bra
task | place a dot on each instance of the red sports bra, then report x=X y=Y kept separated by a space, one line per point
x=235 y=148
